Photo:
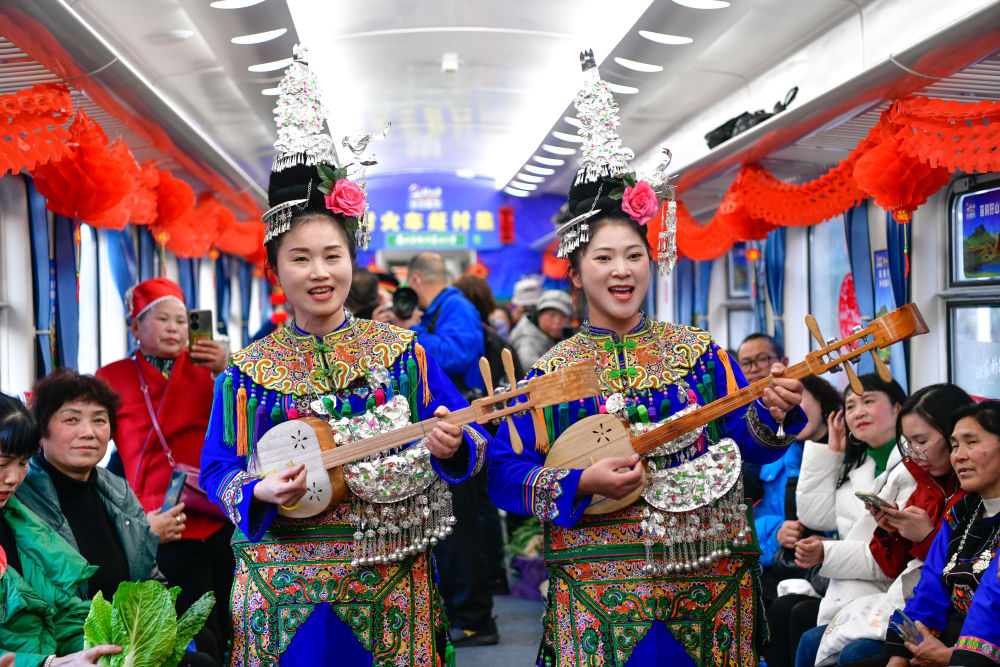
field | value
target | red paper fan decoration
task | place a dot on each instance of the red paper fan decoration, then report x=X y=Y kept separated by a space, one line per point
x=121 y=214
x=144 y=193
x=194 y=234
x=243 y=239
x=174 y=199
x=89 y=180
x=896 y=181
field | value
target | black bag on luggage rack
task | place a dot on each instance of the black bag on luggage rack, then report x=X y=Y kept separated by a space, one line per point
x=746 y=120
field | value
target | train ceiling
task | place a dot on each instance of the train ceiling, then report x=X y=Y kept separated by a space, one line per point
x=486 y=109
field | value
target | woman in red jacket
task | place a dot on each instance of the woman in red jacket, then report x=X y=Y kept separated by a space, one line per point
x=922 y=429
x=163 y=377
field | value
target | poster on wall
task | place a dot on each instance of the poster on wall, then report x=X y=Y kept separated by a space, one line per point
x=975 y=237
x=738 y=272
x=831 y=286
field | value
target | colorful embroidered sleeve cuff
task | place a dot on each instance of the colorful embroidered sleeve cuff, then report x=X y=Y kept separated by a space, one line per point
x=550 y=495
x=467 y=461
x=236 y=500
x=975 y=651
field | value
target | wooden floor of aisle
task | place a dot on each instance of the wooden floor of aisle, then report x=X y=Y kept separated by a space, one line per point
x=520 y=624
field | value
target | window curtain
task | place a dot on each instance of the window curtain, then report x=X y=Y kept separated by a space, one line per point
x=703 y=280
x=223 y=293
x=774 y=268
x=122 y=261
x=896 y=236
x=246 y=278
x=67 y=298
x=188 y=274
x=42 y=278
x=860 y=254
x=147 y=254
x=758 y=285
x=685 y=282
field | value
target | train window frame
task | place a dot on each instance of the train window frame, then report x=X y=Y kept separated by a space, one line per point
x=735 y=259
x=958 y=209
x=953 y=346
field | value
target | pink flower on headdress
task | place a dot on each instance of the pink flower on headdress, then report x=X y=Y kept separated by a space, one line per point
x=346 y=198
x=640 y=202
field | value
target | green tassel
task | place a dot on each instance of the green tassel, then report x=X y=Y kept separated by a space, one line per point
x=229 y=420
x=550 y=426
x=449 y=654
x=411 y=395
x=346 y=411
x=582 y=413
x=665 y=409
x=331 y=407
x=252 y=420
x=643 y=414
x=276 y=412
x=707 y=388
x=563 y=416
x=370 y=404
x=404 y=386
x=633 y=413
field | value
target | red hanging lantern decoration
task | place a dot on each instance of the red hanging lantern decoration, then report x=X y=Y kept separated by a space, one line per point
x=506 y=219
x=144 y=194
x=243 y=239
x=194 y=234
x=121 y=214
x=87 y=182
x=897 y=182
x=174 y=198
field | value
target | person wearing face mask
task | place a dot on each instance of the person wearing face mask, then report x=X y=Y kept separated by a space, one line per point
x=860 y=456
x=42 y=619
x=680 y=557
x=166 y=392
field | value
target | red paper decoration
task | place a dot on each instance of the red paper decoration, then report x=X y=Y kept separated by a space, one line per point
x=896 y=181
x=506 y=216
x=194 y=233
x=89 y=180
x=31 y=127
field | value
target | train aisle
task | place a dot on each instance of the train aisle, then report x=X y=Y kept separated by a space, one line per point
x=520 y=627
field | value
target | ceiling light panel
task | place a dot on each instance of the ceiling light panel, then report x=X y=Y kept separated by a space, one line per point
x=664 y=38
x=541 y=171
x=234 y=4
x=703 y=4
x=527 y=178
x=619 y=89
x=516 y=193
x=572 y=138
x=271 y=66
x=259 y=37
x=523 y=186
x=573 y=120
x=637 y=66
x=549 y=161
x=558 y=150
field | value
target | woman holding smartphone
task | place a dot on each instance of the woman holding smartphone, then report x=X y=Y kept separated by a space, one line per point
x=166 y=388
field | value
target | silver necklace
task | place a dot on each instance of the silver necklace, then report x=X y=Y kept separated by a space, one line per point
x=985 y=556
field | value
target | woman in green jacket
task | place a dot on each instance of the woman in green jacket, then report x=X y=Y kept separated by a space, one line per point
x=41 y=619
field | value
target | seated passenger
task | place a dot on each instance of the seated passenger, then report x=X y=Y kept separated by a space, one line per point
x=775 y=517
x=42 y=620
x=860 y=457
x=956 y=604
x=91 y=508
x=904 y=536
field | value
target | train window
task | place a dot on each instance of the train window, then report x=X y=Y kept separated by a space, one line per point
x=17 y=317
x=831 y=285
x=88 y=355
x=974 y=347
x=975 y=237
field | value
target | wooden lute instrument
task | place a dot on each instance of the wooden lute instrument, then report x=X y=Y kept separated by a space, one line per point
x=598 y=437
x=310 y=440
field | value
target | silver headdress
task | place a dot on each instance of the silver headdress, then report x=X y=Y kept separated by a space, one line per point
x=605 y=159
x=305 y=160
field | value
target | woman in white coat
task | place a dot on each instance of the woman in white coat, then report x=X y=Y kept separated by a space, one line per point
x=860 y=457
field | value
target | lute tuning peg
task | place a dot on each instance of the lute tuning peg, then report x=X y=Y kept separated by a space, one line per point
x=852 y=377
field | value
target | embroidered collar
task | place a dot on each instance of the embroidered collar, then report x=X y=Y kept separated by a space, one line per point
x=341 y=334
x=161 y=364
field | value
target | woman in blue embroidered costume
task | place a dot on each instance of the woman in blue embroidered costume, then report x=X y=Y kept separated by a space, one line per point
x=671 y=578
x=352 y=585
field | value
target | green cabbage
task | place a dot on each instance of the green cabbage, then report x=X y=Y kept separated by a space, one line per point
x=142 y=619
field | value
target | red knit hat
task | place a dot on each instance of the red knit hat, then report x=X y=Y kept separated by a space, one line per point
x=148 y=293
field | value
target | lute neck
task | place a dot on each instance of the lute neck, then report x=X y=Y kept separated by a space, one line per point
x=650 y=440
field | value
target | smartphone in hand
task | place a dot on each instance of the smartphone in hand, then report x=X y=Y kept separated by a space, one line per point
x=199 y=325
x=905 y=626
x=872 y=500
x=174 y=488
